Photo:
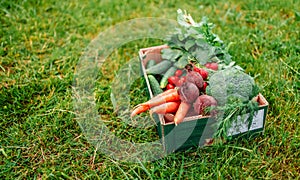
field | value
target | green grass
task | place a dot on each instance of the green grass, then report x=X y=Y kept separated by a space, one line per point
x=42 y=41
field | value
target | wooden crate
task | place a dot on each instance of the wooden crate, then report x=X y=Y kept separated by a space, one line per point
x=197 y=131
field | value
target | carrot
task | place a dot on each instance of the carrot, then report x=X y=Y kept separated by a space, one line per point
x=139 y=109
x=169 y=91
x=181 y=112
x=167 y=96
x=169 y=107
x=162 y=98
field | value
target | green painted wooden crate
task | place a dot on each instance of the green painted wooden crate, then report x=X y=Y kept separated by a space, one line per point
x=197 y=131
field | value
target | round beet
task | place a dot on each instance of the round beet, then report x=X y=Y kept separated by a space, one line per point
x=188 y=92
x=204 y=101
x=196 y=78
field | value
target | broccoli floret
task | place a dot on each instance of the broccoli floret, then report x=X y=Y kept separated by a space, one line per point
x=231 y=85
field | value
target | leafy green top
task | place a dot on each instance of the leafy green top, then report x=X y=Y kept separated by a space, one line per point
x=195 y=42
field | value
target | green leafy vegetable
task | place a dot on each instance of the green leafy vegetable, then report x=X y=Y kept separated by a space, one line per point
x=234 y=90
x=182 y=62
x=197 y=41
x=231 y=85
x=171 y=54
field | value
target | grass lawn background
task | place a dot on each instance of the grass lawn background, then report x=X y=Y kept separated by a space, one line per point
x=42 y=41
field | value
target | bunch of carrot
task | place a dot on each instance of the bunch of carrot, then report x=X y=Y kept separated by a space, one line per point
x=164 y=103
x=178 y=101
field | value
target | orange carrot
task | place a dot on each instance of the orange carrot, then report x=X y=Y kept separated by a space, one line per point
x=181 y=112
x=139 y=109
x=162 y=98
x=169 y=91
x=171 y=96
x=169 y=107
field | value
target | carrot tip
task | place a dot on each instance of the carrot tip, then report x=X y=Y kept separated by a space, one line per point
x=175 y=123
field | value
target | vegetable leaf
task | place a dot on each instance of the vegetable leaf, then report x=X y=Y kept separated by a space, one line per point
x=204 y=53
x=182 y=62
x=189 y=44
x=171 y=54
x=196 y=39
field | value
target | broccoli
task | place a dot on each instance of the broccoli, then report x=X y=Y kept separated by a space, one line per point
x=234 y=90
x=231 y=86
